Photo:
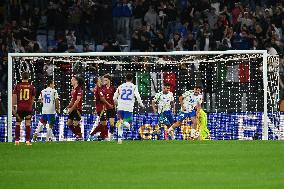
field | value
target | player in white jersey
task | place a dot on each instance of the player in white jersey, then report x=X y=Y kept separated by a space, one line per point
x=50 y=100
x=124 y=98
x=190 y=101
x=165 y=102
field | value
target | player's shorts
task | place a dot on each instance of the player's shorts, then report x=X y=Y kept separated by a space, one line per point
x=166 y=118
x=48 y=118
x=183 y=115
x=75 y=115
x=23 y=115
x=204 y=134
x=110 y=113
x=125 y=115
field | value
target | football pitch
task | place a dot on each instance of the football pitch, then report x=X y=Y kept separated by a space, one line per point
x=143 y=164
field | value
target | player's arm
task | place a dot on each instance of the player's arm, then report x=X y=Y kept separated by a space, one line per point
x=173 y=107
x=33 y=94
x=138 y=97
x=57 y=103
x=102 y=98
x=180 y=99
x=116 y=95
x=75 y=104
x=40 y=98
x=33 y=99
x=154 y=105
x=199 y=102
x=70 y=104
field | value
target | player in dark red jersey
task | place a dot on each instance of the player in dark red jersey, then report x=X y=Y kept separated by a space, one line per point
x=74 y=109
x=101 y=103
x=108 y=91
x=23 y=99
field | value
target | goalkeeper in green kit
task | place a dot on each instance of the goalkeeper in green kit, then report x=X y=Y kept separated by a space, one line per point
x=202 y=130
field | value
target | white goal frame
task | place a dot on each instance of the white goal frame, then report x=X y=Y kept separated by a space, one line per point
x=173 y=53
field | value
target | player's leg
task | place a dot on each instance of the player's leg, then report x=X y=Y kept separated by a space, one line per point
x=77 y=126
x=120 y=125
x=192 y=116
x=201 y=120
x=104 y=130
x=112 y=127
x=111 y=117
x=127 y=119
x=28 y=118
x=99 y=128
x=41 y=124
x=162 y=120
x=126 y=122
x=120 y=118
x=96 y=123
x=180 y=118
x=70 y=124
x=19 y=119
x=169 y=120
x=51 y=121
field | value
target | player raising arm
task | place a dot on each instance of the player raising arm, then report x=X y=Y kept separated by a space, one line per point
x=165 y=101
x=190 y=100
x=124 y=97
x=50 y=100
x=23 y=99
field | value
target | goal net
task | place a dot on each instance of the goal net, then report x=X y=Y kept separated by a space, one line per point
x=240 y=89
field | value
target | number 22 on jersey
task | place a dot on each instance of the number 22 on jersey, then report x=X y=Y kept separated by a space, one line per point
x=126 y=94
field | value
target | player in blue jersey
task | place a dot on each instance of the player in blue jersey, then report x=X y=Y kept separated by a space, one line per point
x=190 y=101
x=50 y=100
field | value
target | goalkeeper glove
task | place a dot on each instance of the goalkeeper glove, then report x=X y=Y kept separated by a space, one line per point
x=65 y=111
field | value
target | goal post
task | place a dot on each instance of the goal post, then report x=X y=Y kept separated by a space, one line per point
x=262 y=53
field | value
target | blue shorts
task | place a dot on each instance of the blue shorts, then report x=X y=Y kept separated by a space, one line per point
x=124 y=115
x=185 y=115
x=166 y=118
x=48 y=118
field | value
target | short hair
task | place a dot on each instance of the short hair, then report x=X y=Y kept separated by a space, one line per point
x=198 y=87
x=25 y=75
x=167 y=84
x=80 y=80
x=129 y=77
x=107 y=76
x=49 y=82
x=96 y=79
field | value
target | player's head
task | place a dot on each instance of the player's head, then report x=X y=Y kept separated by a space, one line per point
x=129 y=77
x=97 y=81
x=50 y=83
x=25 y=76
x=107 y=79
x=77 y=81
x=197 y=90
x=167 y=87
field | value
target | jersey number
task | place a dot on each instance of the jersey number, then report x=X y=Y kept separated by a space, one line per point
x=47 y=98
x=125 y=95
x=24 y=94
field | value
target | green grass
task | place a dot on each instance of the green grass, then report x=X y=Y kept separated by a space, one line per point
x=143 y=164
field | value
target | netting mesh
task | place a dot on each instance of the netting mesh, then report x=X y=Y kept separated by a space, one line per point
x=232 y=88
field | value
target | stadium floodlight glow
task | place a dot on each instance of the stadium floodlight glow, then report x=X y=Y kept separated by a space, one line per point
x=192 y=57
